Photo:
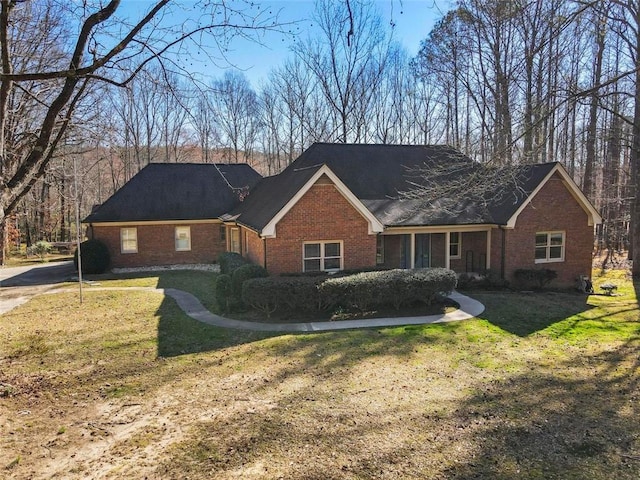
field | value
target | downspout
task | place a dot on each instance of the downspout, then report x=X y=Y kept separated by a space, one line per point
x=503 y=253
x=264 y=244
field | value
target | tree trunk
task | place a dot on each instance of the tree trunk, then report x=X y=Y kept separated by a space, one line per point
x=587 y=184
x=634 y=159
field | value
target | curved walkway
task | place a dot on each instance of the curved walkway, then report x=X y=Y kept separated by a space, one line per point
x=469 y=308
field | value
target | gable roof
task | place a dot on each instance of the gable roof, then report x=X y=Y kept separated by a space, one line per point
x=533 y=188
x=177 y=191
x=376 y=174
x=369 y=172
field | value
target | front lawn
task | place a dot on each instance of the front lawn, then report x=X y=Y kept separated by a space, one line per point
x=126 y=386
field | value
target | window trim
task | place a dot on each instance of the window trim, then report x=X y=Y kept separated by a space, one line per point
x=458 y=243
x=322 y=256
x=186 y=228
x=123 y=231
x=548 y=246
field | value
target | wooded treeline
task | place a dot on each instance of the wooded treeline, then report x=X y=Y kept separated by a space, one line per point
x=505 y=81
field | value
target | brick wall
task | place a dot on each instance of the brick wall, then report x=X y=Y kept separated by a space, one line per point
x=156 y=245
x=321 y=214
x=473 y=253
x=253 y=246
x=552 y=209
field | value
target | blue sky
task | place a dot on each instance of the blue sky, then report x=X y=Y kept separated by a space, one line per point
x=413 y=19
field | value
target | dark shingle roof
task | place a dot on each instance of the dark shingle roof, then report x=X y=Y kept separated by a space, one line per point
x=376 y=174
x=177 y=191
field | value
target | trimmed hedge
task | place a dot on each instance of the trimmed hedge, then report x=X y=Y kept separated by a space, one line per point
x=223 y=292
x=534 y=277
x=288 y=293
x=95 y=257
x=230 y=261
x=244 y=273
x=363 y=291
x=396 y=288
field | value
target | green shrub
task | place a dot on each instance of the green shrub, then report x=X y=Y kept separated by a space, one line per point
x=41 y=249
x=363 y=291
x=223 y=292
x=489 y=281
x=95 y=257
x=534 y=277
x=395 y=288
x=230 y=261
x=244 y=273
x=283 y=293
x=355 y=271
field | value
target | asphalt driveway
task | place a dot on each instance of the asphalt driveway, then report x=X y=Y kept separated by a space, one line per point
x=19 y=284
x=43 y=274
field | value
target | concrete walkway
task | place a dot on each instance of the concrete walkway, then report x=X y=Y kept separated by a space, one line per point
x=469 y=308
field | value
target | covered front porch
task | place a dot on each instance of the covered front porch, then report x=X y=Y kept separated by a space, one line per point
x=465 y=249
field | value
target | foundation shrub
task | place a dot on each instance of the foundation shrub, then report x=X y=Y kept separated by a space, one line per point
x=283 y=293
x=244 y=273
x=224 y=297
x=230 y=261
x=490 y=280
x=95 y=257
x=362 y=291
x=396 y=288
x=537 y=278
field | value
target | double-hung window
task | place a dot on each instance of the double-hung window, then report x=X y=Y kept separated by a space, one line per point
x=454 y=245
x=183 y=239
x=129 y=240
x=322 y=256
x=549 y=247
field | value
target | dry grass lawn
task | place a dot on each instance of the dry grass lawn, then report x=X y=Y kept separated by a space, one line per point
x=542 y=386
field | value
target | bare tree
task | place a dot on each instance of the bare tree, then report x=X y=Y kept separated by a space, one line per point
x=94 y=46
x=347 y=58
x=235 y=105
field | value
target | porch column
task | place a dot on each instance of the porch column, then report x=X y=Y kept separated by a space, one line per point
x=488 y=266
x=447 y=249
x=413 y=251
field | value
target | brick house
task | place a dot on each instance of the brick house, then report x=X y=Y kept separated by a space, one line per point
x=169 y=213
x=338 y=207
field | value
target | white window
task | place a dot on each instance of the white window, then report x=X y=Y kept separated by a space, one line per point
x=322 y=256
x=183 y=239
x=549 y=247
x=455 y=245
x=129 y=240
x=234 y=243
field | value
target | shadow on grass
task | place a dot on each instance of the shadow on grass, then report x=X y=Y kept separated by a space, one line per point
x=523 y=314
x=572 y=419
x=179 y=334
x=574 y=422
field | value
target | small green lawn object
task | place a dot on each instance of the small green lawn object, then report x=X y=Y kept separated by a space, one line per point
x=608 y=288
